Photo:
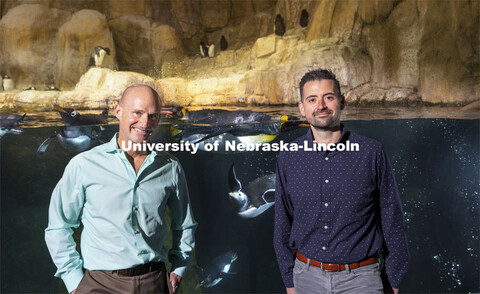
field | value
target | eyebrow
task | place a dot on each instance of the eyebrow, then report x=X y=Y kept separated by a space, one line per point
x=326 y=94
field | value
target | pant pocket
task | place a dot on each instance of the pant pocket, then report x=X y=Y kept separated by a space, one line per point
x=299 y=267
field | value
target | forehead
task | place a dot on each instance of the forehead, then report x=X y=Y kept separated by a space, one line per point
x=319 y=87
x=139 y=96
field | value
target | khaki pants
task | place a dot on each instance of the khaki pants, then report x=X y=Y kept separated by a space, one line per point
x=105 y=282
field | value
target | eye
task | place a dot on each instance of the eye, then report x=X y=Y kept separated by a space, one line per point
x=330 y=97
x=153 y=116
x=74 y=113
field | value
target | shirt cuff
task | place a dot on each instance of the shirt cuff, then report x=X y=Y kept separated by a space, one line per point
x=288 y=280
x=72 y=279
x=180 y=271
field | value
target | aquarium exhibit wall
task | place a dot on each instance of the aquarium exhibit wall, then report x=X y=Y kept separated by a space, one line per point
x=409 y=71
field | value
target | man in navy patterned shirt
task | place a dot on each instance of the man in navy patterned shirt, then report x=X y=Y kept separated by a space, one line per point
x=336 y=211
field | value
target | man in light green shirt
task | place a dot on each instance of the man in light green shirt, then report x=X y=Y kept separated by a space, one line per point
x=120 y=197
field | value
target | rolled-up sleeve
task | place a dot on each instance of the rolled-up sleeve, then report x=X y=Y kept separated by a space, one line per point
x=64 y=214
x=183 y=224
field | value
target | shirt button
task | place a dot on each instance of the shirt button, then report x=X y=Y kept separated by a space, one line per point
x=326 y=204
x=326 y=227
x=137 y=232
x=326 y=181
x=143 y=252
x=326 y=158
x=135 y=208
x=324 y=248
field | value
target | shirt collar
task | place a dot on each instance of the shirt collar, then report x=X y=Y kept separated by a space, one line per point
x=343 y=137
x=112 y=147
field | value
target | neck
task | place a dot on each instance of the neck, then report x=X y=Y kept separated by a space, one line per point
x=327 y=135
x=127 y=147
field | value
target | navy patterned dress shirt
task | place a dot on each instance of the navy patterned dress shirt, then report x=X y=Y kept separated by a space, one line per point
x=338 y=207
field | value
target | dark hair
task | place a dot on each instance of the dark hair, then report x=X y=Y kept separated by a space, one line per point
x=318 y=75
x=158 y=98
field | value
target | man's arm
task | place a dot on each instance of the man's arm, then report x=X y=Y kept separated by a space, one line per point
x=282 y=228
x=64 y=214
x=183 y=225
x=392 y=223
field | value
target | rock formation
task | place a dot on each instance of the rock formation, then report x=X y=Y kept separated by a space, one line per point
x=383 y=51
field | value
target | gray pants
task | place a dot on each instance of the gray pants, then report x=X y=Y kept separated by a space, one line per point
x=310 y=279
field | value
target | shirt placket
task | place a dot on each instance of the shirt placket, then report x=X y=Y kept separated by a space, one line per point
x=326 y=198
x=140 y=244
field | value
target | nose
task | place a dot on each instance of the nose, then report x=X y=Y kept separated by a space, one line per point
x=321 y=104
x=143 y=120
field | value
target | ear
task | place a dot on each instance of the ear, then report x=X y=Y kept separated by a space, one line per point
x=342 y=102
x=118 y=111
x=301 y=108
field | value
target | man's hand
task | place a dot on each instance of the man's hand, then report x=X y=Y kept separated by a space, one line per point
x=73 y=292
x=395 y=290
x=175 y=281
x=290 y=290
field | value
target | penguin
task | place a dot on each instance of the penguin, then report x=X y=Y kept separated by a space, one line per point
x=203 y=49
x=9 y=123
x=211 y=51
x=30 y=89
x=97 y=56
x=52 y=88
x=279 y=25
x=74 y=138
x=1 y=83
x=219 y=125
x=253 y=199
x=304 y=19
x=223 y=43
x=8 y=83
x=216 y=270
x=71 y=117
x=220 y=116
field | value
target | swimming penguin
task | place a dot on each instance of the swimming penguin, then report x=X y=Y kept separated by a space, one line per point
x=279 y=25
x=8 y=83
x=9 y=123
x=253 y=199
x=221 y=116
x=223 y=43
x=97 y=55
x=216 y=270
x=30 y=89
x=304 y=18
x=74 y=138
x=219 y=125
x=71 y=117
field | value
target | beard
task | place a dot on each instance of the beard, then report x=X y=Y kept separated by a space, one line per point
x=330 y=122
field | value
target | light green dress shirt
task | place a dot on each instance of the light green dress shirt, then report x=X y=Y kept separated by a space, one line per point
x=123 y=213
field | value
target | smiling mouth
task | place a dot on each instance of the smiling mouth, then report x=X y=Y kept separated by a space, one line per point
x=144 y=131
x=322 y=113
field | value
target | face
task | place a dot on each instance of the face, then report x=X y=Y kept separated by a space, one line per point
x=320 y=106
x=138 y=114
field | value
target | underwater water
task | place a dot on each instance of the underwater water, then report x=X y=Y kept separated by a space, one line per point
x=436 y=163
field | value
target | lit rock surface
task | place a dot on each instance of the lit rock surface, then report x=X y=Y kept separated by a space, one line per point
x=383 y=52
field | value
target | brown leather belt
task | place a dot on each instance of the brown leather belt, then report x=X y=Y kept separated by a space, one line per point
x=336 y=267
x=140 y=270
